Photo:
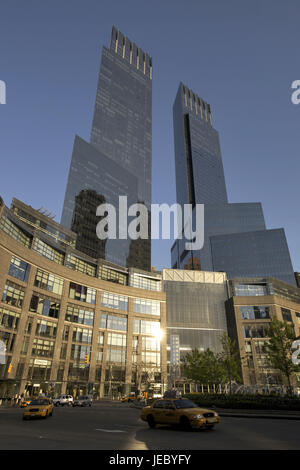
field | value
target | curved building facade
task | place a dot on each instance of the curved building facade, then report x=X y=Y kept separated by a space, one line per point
x=70 y=323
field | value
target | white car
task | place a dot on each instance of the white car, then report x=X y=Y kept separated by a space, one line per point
x=63 y=400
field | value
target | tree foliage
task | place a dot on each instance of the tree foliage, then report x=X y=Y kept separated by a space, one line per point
x=207 y=367
x=203 y=367
x=279 y=350
x=230 y=360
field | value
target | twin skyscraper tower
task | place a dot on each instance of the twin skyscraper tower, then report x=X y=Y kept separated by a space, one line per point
x=118 y=162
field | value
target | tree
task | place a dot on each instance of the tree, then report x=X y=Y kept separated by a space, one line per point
x=202 y=367
x=279 y=350
x=229 y=359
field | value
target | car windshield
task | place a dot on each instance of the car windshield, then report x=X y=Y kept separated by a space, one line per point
x=184 y=404
x=39 y=402
x=82 y=398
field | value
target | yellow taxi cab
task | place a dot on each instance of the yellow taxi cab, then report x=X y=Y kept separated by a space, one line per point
x=179 y=411
x=131 y=397
x=39 y=407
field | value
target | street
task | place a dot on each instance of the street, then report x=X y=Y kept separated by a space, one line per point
x=114 y=426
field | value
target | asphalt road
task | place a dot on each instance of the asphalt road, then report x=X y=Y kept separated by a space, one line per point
x=114 y=426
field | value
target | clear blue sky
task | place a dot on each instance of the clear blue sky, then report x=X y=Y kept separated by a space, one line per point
x=240 y=56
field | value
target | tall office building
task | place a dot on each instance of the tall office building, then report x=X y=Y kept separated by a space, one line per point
x=236 y=240
x=118 y=159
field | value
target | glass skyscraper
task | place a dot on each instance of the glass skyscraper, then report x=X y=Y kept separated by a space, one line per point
x=118 y=159
x=236 y=240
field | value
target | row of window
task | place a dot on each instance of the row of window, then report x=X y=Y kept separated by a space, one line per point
x=72 y=261
x=250 y=312
x=143 y=282
x=53 y=283
x=254 y=312
x=14 y=231
x=255 y=331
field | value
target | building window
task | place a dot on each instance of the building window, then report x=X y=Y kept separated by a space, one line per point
x=8 y=339
x=79 y=352
x=49 y=282
x=15 y=232
x=66 y=333
x=150 y=343
x=19 y=269
x=39 y=369
x=82 y=335
x=28 y=326
x=8 y=319
x=113 y=322
x=47 y=251
x=79 y=315
x=112 y=275
x=142 y=282
x=82 y=293
x=25 y=345
x=101 y=338
x=119 y=302
x=46 y=328
x=151 y=307
x=250 y=312
x=63 y=350
x=79 y=265
x=151 y=358
x=255 y=331
x=13 y=295
x=259 y=346
x=286 y=314
x=99 y=359
x=44 y=306
x=146 y=327
x=42 y=348
x=116 y=339
x=116 y=355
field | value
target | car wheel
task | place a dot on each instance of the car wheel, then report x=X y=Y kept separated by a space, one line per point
x=151 y=421
x=210 y=427
x=185 y=423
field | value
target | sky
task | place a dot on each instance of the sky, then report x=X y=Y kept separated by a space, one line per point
x=240 y=56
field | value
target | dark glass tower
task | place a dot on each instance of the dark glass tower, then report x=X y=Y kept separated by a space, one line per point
x=199 y=167
x=118 y=159
x=236 y=240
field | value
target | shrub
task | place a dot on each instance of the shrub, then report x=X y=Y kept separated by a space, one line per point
x=253 y=402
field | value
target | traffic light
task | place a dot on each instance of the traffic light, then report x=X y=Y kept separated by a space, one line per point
x=86 y=358
x=9 y=368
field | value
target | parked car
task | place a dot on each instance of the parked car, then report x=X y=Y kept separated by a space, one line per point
x=179 y=411
x=63 y=400
x=25 y=402
x=82 y=401
x=39 y=408
x=131 y=397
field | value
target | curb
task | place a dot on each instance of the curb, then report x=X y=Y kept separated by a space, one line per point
x=258 y=416
x=229 y=414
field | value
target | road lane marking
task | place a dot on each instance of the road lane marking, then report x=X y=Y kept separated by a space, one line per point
x=110 y=430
